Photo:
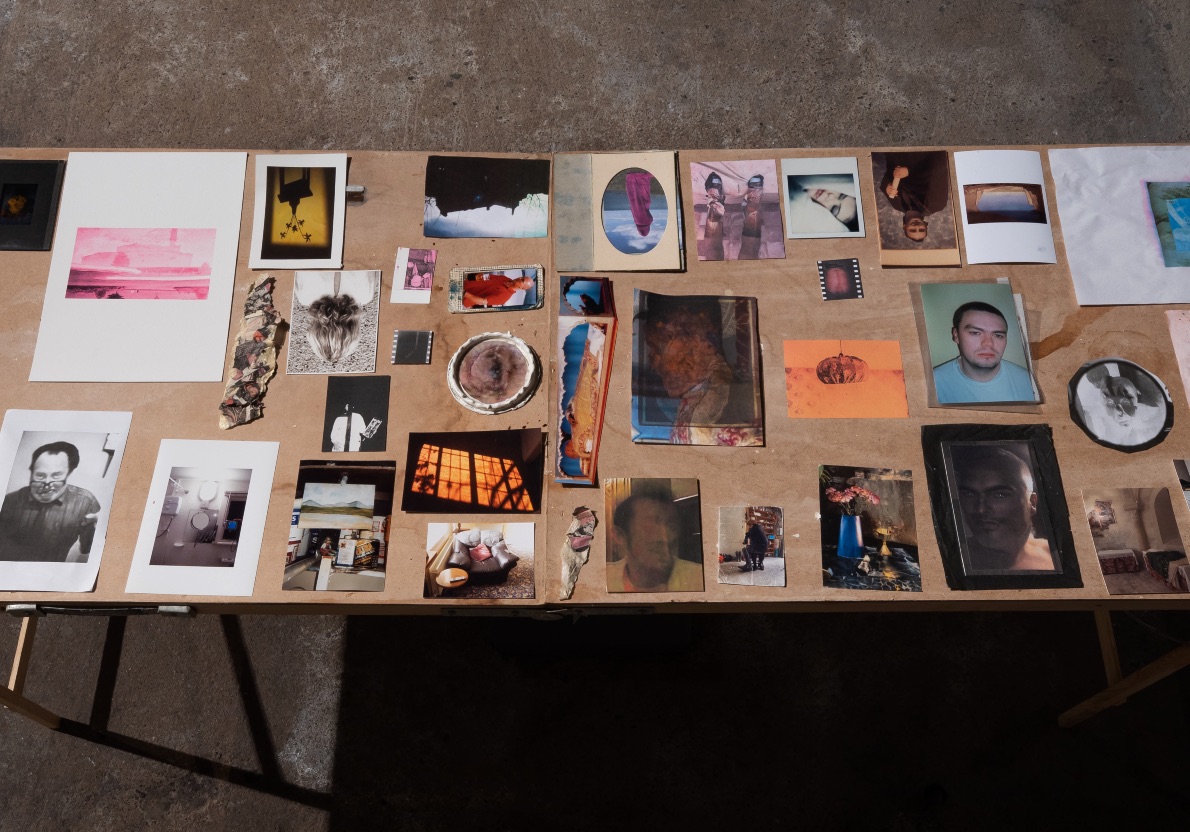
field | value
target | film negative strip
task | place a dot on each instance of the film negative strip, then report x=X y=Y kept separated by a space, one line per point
x=412 y=346
x=839 y=279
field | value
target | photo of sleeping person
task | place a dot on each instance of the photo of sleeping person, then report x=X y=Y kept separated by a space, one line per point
x=333 y=325
x=1120 y=405
x=736 y=210
x=917 y=225
x=822 y=198
x=695 y=371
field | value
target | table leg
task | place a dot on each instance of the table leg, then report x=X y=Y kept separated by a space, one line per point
x=11 y=697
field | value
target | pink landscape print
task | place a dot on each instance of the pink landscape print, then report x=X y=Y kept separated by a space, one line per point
x=141 y=263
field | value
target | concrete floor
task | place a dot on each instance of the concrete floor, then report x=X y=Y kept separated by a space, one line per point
x=893 y=721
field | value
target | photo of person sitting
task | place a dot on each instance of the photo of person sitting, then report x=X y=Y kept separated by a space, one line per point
x=496 y=289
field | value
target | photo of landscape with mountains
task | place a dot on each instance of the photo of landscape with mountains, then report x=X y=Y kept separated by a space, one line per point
x=141 y=263
x=337 y=506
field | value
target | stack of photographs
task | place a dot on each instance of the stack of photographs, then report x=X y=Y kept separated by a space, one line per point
x=696 y=371
x=586 y=341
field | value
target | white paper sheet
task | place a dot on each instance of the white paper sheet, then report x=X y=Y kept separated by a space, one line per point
x=130 y=203
x=987 y=182
x=334 y=209
x=99 y=438
x=1112 y=240
x=171 y=533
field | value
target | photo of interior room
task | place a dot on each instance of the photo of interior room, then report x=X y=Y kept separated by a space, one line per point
x=342 y=559
x=1136 y=540
x=479 y=560
x=202 y=516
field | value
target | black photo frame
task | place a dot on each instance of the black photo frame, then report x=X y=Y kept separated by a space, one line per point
x=1120 y=405
x=39 y=184
x=1030 y=446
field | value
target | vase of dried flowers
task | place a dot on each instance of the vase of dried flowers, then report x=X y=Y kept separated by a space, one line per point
x=851 y=502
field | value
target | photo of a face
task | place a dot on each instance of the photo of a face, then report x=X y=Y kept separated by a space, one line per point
x=738 y=211
x=1137 y=543
x=976 y=350
x=1120 y=405
x=202 y=517
x=16 y=204
x=1000 y=509
x=477 y=196
x=917 y=225
x=635 y=211
x=334 y=322
x=141 y=263
x=654 y=543
x=57 y=496
x=840 y=279
x=299 y=213
x=1170 y=204
x=821 y=198
x=1004 y=203
x=696 y=371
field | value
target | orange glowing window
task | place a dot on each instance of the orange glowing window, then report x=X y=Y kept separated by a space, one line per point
x=462 y=477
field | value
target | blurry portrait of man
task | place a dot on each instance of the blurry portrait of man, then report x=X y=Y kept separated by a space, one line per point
x=644 y=546
x=998 y=504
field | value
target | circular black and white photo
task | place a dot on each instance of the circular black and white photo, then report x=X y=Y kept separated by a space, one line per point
x=1120 y=405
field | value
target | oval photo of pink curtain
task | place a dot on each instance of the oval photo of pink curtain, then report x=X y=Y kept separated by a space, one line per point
x=635 y=211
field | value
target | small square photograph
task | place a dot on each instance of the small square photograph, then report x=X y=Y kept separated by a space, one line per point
x=845 y=380
x=17 y=201
x=822 y=198
x=141 y=263
x=1137 y=541
x=475 y=472
x=476 y=196
x=977 y=353
x=348 y=503
x=413 y=275
x=300 y=204
x=654 y=538
x=1170 y=206
x=412 y=346
x=696 y=370
x=495 y=289
x=586 y=297
x=334 y=323
x=737 y=208
x=204 y=518
x=356 y=417
x=1120 y=405
x=479 y=560
x=869 y=531
x=751 y=546
x=62 y=468
x=839 y=279
x=29 y=193
x=917 y=219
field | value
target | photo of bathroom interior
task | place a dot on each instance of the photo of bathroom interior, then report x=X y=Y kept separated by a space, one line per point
x=201 y=517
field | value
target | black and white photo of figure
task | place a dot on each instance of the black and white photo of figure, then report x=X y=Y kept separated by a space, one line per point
x=333 y=326
x=1120 y=405
x=59 y=489
x=356 y=414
